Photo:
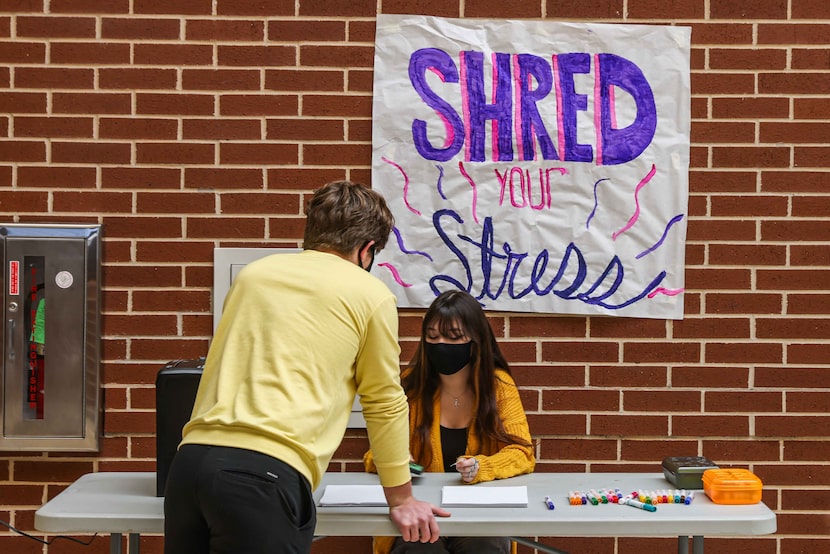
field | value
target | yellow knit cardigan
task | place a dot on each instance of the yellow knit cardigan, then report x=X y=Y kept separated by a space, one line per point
x=503 y=461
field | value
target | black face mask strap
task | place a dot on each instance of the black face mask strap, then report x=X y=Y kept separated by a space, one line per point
x=364 y=245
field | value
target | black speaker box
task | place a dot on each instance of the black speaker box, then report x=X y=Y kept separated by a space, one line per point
x=176 y=386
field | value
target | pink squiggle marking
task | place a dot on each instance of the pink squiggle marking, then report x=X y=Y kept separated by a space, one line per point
x=450 y=130
x=636 y=214
x=597 y=110
x=475 y=189
x=395 y=275
x=560 y=111
x=465 y=104
x=667 y=292
x=405 y=184
x=517 y=106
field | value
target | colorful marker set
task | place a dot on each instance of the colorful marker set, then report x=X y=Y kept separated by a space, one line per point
x=615 y=496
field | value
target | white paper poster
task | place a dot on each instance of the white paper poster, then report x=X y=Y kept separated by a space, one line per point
x=541 y=166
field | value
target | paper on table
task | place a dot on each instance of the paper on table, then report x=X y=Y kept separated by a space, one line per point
x=353 y=495
x=484 y=497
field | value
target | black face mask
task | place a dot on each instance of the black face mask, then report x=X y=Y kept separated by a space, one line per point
x=448 y=359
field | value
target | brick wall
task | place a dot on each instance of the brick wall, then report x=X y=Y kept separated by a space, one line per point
x=183 y=125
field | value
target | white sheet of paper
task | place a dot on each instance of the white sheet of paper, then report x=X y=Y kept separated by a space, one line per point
x=484 y=497
x=353 y=495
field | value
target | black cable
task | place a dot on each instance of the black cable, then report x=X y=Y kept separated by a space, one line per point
x=53 y=539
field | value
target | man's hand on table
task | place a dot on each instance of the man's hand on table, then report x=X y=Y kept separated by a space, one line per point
x=414 y=518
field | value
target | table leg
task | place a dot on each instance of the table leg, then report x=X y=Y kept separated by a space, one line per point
x=133 y=545
x=697 y=545
x=115 y=543
x=682 y=545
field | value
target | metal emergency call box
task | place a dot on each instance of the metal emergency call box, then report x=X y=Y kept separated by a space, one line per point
x=50 y=394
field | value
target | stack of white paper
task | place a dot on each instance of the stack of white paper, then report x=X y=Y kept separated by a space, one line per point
x=484 y=497
x=353 y=495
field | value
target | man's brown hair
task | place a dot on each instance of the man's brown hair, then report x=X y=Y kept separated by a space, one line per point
x=343 y=215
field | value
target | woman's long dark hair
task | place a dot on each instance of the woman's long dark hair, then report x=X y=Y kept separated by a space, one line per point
x=450 y=310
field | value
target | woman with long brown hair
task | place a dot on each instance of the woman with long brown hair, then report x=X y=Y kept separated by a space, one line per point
x=465 y=413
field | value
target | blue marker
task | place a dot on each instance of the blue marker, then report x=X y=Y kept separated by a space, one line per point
x=549 y=503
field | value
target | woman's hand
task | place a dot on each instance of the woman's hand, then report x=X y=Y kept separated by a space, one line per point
x=468 y=468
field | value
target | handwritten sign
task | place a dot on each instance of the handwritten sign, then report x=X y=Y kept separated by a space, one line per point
x=540 y=166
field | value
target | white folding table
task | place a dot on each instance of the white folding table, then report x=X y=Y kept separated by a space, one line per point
x=125 y=503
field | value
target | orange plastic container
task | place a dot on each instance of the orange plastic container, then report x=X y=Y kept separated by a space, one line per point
x=732 y=486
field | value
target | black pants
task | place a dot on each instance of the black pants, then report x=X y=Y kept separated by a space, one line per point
x=222 y=500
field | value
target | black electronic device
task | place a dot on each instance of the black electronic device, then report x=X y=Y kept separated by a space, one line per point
x=176 y=386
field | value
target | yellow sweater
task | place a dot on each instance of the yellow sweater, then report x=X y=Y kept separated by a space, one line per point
x=299 y=335
x=505 y=460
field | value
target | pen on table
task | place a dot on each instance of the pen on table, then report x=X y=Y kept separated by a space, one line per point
x=549 y=503
x=641 y=505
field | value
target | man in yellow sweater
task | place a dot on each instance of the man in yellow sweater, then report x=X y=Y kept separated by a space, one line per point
x=300 y=334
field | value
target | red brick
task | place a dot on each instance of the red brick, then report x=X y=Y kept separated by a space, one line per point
x=256 y=56
x=808 y=303
x=598 y=400
x=506 y=10
x=743 y=303
x=650 y=352
x=337 y=154
x=747 y=254
x=810 y=156
x=719 y=230
x=760 y=9
x=810 y=59
x=299 y=129
x=257 y=104
x=222 y=129
x=173 y=54
x=285 y=228
x=579 y=449
x=253 y=203
x=745 y=402
x=139 y=28
x=577 y=351
x=53 y=78
x=336 y=56
x=734 y=451
x=22 y=151
x=723 y=181
x=338 y=8
x=803 y=132
x=810 y=207
x=214 y=227
x=748 y=59
x=144 y=276
x=225 y=30
x=733 y=33
x=140 y=177
x=792 y=34
x=722 y=132
x=52 y=127
x=628 y=376
x=137 y=78
x=748 y=107
x=792 y=426
x=748 y=206
x=741 y=352
x=652 y=450
x=710 y=425
x=793 y=279
x=751 y=156
x=712 y=83
x=337 y=105
x=220 y=79
x=56 y=176
x=173 y=7
x=591 y=9
x=138 y=128
x=175 y=104
x=661 y=401
x=89 y=152
x=55 y=27
x=792 y=328
x=192 y=301
x=808 y=402
x=255 y=7
x=169 y=203
x=793 y=83
x=557 y=424
x=175 y=153
x=89 y=6
x=97 y=103
x=118 y=422
x=627 y=328
x=805 y=181
x=22 y=52
x=560 y=376
x=53 y=471
x=258 y=153
x=97 y=53
x=806 y=450
x=223 y=178
x=92 y=202
x=175 y=251
x=293 y=31
x=143 y=227
x=629 y=425
x=150 y=325
x=317 y=80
